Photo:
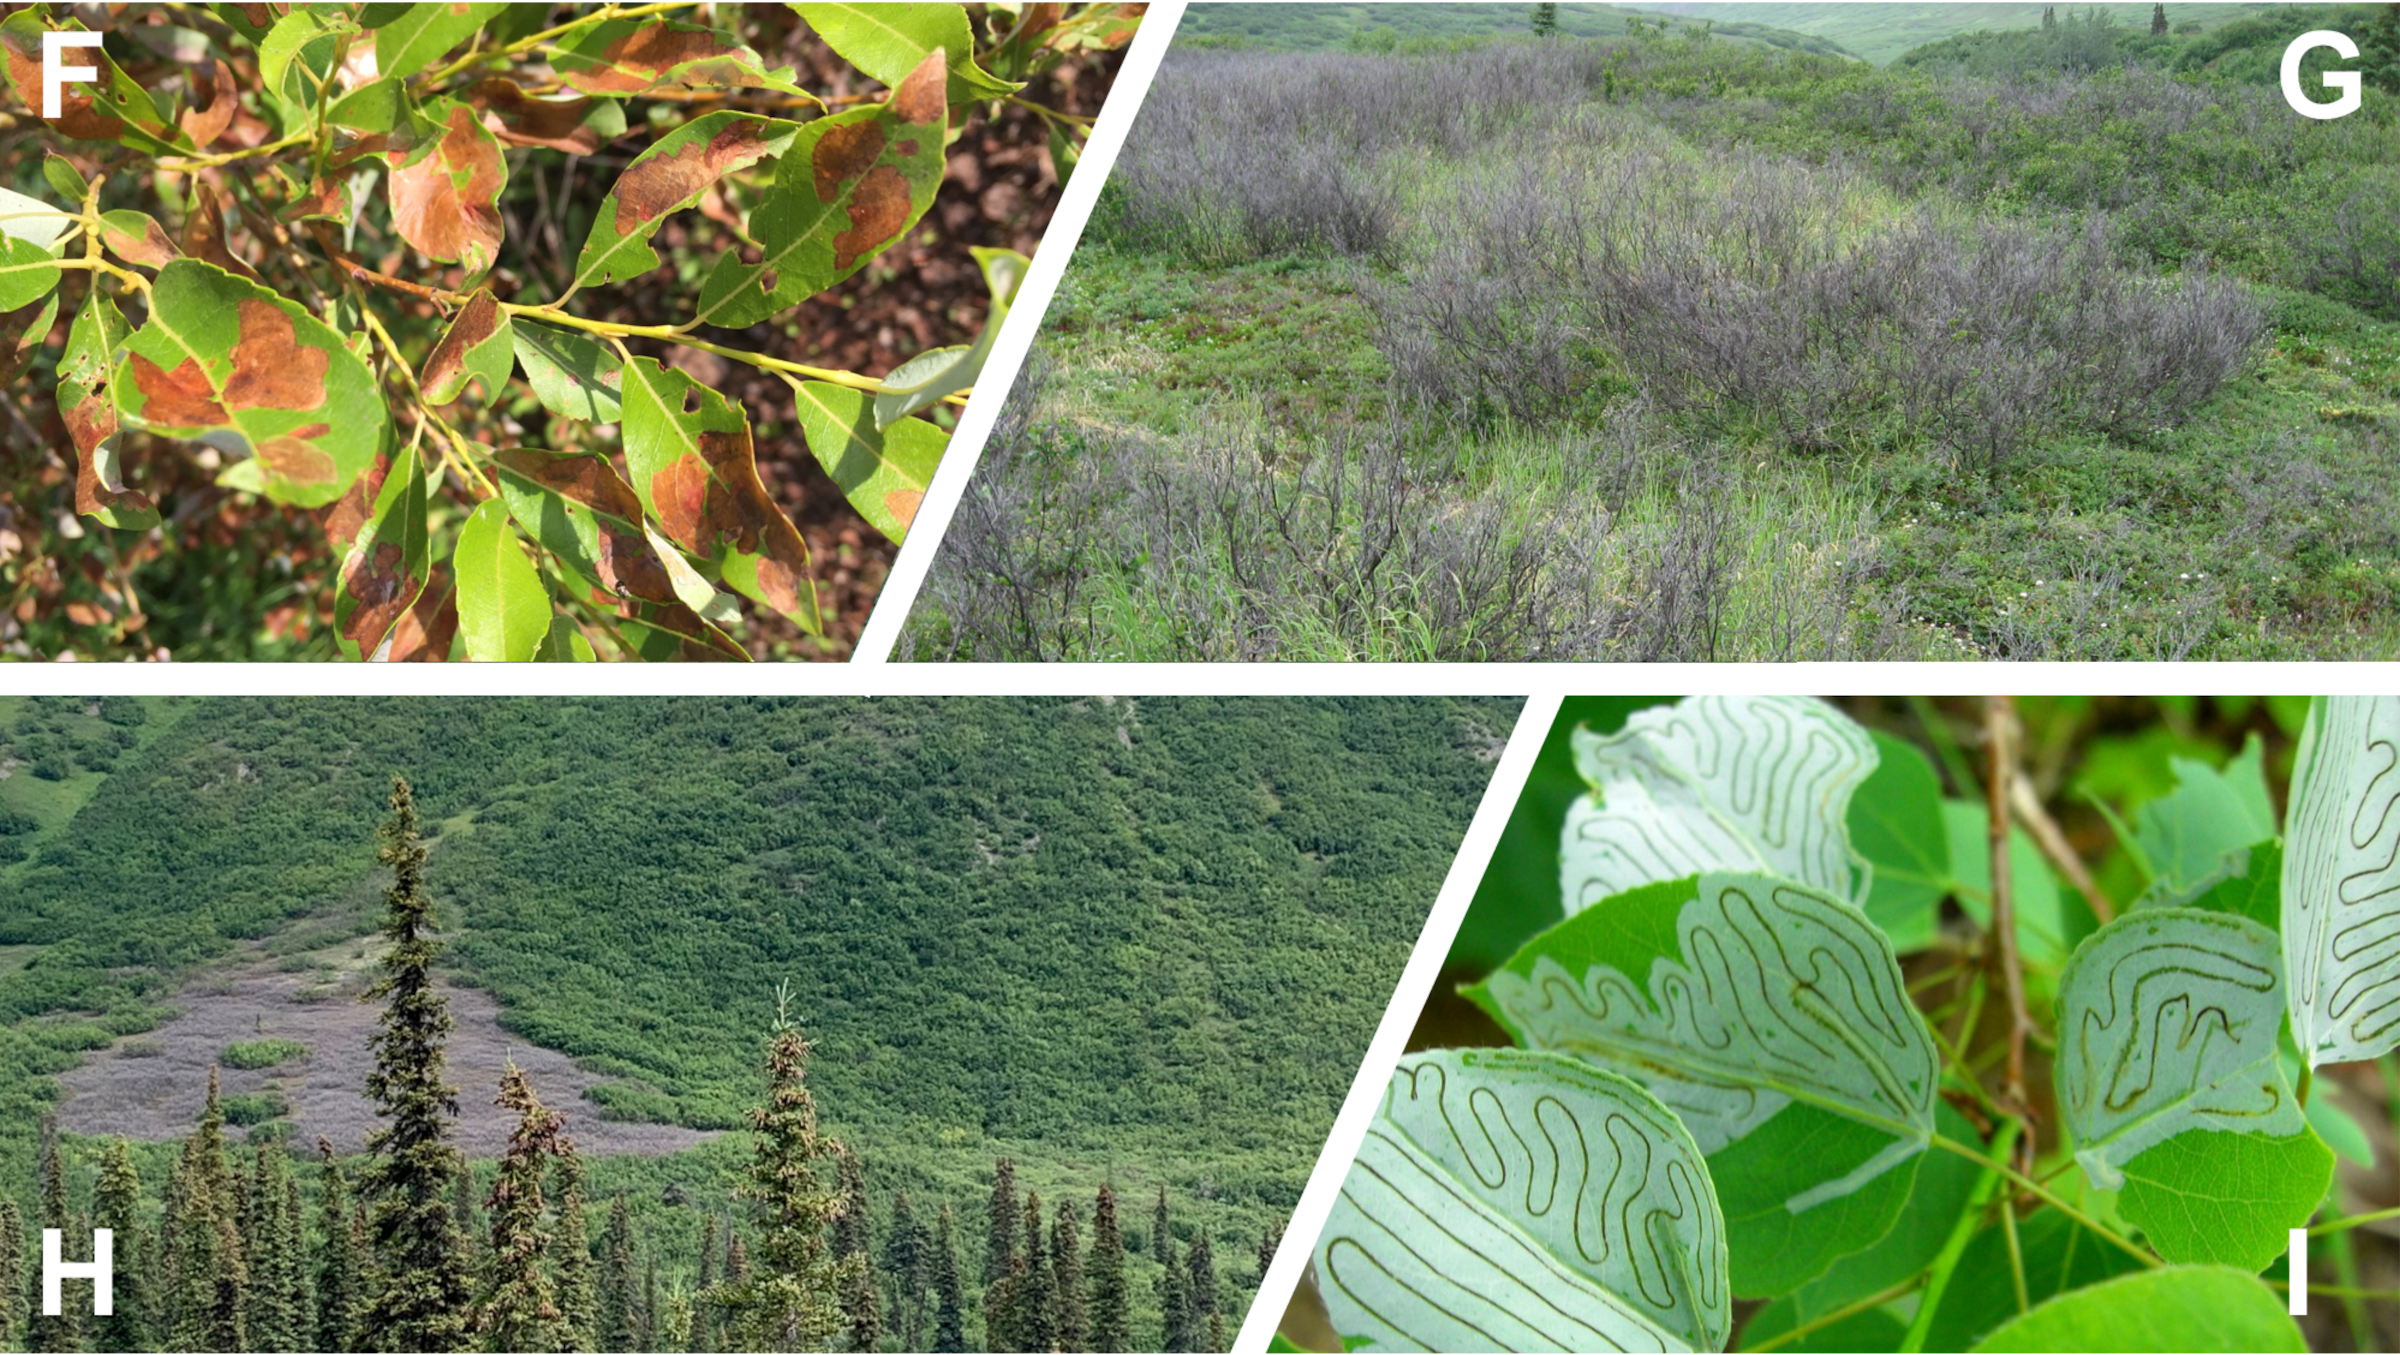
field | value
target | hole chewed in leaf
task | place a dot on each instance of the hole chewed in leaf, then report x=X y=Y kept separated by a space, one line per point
x=845 y=153
x=879 y=210
x=446 y=202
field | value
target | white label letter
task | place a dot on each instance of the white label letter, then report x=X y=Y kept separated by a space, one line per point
x=100 y=1270
x=2345 y=82
x=54 y=75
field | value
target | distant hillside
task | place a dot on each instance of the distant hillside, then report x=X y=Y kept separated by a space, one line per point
x=1143 y=930
x=1314 y=27
x=1880 y=32
x=2247 y=49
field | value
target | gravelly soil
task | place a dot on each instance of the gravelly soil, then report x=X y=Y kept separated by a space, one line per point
x=313 y=999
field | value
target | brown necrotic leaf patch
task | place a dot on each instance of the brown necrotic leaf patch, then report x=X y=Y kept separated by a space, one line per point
x=77 y=117
x=343 y=517
x=879 y=210
x=845 y=153
x=445 y=203
x=903 y=504
x=424 y=632
x=519 y=119
x=152 y=247
x=90 y=422
x=716 y=496
x=652 y=188
x=205 y=125
x=180 y=397
x=272 y=369
x=296 y=457
x=587 y=480
x=645 y=57
x=325 y=200
x=379 y=580
x=921 y=97
x=475 y=323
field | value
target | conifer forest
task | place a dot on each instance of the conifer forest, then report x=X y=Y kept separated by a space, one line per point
x=668 y=1025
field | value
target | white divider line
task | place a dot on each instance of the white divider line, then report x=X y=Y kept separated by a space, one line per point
x=2299 y=1272
x=1059 y=239
x=1189 y=679
x=1391 y=1038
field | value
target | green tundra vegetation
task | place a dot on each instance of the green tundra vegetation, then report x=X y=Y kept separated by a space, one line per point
x=1056 y=960
x=2065 y=339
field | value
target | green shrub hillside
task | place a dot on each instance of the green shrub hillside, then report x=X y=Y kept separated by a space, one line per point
x=1155 y=933
x=2064 y=340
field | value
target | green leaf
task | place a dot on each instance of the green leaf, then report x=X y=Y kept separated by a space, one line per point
x=2189 y=1308
x=64 y=178
x=376 y=106
x=1064 y=153
x=1872 y=1329
x=389 y=562
x=298 y=57
x=227 y=362
x=137 y=238
x=2250 y=885
x=1774 y=1020
x=565 y=644
x=2168 y=1021
x=412 y=37
x=115 y=108
x=479 y=345
x=1506 y=1200
x=29 y=250
x=571 y=374
x=666 y=178
x=2209 y=1196
x=883 y=471
x=850 y=185
x=1944 y=1184
x=1717 y=783
x=2042 y=930
x=623 y=57
x=939 y=372
x=2211 y=815
x=502 y=611
x=889 y=41
x=698 y=476
x=90 y=414
x=2058 y=1255
x=1895 y=822
x=2341 y=881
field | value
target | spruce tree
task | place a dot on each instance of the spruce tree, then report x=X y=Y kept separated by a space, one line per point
x=578 y=1304
x=1162 y=1240
x=1269 y=1238
x=1174 y=1302
x=2158 y=20
x=276 y=1315
x=518 y=1306
x=1033 y=1309
x=1071 y=1325
x=1207 y=1324
x=1111 y=1316
x=792 y=1301
x=341 y=1266
x=422 y=1302
x=905 y=1261
x=853 y=1239
x=1002 y=1262
x=1545 y=20
x=117 y=1206
x=468 y=1218
x=675 y=1323
x=65 y=1331
x=617 y=1301
x=949 y=1302
x=210 y=1275
x=645 y=1322
x=14 y=1271
x=862 y=1308
x=703 y=1337
x=2379 y=49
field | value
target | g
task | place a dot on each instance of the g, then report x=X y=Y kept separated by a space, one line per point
x=2346 y=82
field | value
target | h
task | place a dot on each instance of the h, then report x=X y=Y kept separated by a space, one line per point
x=100 y=1270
